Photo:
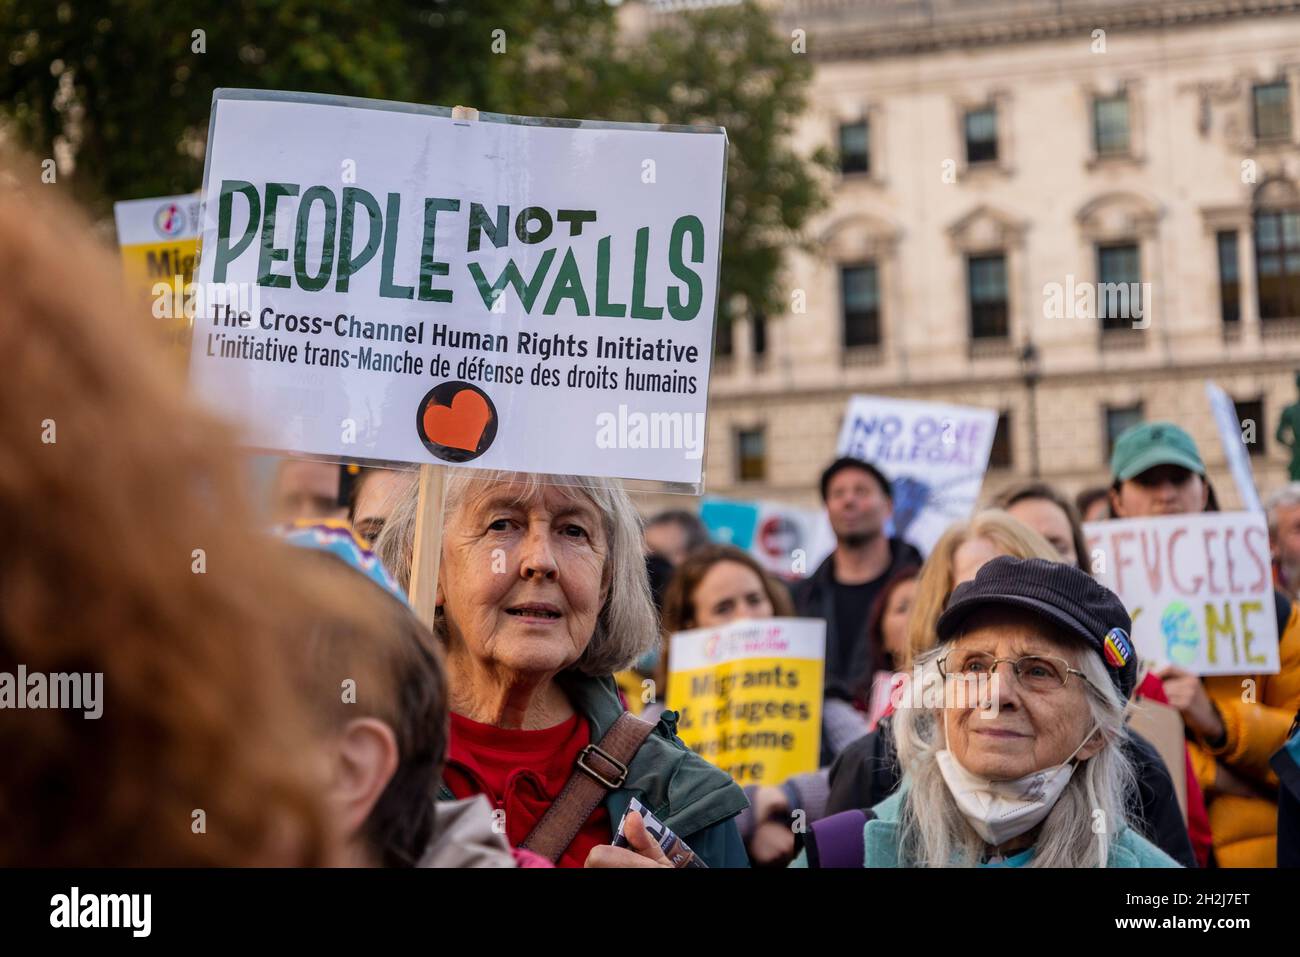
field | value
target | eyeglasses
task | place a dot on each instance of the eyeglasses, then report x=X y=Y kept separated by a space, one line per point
x=1036 y=673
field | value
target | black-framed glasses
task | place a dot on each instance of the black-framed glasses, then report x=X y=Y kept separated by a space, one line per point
x=1036 y=673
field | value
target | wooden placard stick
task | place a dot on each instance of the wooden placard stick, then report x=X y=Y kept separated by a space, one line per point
x=427 y=546
x=426 y=551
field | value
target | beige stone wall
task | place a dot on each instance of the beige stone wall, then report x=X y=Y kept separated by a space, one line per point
x=1046 y=202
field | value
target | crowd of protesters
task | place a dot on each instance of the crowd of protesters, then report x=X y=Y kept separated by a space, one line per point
x=270 y=697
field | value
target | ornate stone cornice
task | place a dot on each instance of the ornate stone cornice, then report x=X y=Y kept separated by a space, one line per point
x=851 y=29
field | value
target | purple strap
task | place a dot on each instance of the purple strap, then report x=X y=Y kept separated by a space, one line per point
x=838 y=841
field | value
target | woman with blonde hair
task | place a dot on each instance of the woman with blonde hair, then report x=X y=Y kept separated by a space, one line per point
x=960 y=552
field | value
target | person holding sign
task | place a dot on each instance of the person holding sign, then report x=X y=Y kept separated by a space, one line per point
x=541 y=597
x=1020 y=763
x=1238 y=721
x=718 y=584
x=714 y=585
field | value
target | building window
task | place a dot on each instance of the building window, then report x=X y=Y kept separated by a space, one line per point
x=751 y=455
x=1229 y=283
x=982 y=136
x=986 y=277
x=1272 y=103
x=1250 y=417
x=1277 y=264
x=1000 y=453
x=855 y=147
x=1119 y=285
x=860 y=292
x=722 y=344
x=758 y=338
x=1110 y=117
x=1119 y=418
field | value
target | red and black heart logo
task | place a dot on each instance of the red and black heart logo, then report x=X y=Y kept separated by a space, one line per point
x=456 y=421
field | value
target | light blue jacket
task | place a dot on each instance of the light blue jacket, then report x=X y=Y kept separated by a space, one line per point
x=882 y=838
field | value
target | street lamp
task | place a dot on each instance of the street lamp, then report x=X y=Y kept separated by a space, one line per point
x=1031 y=372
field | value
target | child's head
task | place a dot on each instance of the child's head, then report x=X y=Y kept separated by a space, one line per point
x=375 y=682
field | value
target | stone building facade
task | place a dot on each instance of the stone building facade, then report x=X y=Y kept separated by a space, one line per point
x=1001 y=161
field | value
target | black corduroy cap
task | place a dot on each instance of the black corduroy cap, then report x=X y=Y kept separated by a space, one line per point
x=1061 y=593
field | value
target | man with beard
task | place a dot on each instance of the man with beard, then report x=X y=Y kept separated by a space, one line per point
x=859 y=503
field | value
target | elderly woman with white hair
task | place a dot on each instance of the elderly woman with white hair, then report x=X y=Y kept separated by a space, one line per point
x=1011 y=746
x=542 y=595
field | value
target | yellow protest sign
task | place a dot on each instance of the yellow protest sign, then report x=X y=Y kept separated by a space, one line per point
x=749 y=695
x=159 y=241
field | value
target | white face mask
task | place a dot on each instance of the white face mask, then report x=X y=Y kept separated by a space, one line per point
x=1001 y=810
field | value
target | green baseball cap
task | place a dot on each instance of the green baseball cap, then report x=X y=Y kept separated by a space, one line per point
x=1148 y=444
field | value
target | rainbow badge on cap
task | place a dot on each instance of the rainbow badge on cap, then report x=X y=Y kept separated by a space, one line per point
x=1116 y=648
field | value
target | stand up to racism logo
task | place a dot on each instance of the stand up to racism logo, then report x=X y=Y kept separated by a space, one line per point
x=456 y=421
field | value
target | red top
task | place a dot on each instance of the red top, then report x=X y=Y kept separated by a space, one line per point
x=522 y=772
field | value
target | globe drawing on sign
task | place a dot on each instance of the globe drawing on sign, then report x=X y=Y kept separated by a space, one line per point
x=912 y=496
x=1182 y=634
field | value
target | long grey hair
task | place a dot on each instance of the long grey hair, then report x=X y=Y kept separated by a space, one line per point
x=627 y=626
x=1079 y=830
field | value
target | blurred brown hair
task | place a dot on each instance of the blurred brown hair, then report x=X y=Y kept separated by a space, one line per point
x=100 y=574
x=1029 y=490
x=679 y=612
x=399 y=677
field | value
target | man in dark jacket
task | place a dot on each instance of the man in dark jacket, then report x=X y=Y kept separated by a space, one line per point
x=859 y=503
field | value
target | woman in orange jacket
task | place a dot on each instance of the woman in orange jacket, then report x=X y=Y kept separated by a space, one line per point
x=1235 y=722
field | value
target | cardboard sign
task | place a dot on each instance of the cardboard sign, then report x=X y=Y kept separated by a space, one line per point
x=1199 y=588
x=1163 y=727
x=503 y=293
x=788 y=542
x=934 y=455
x=1234 y=446
x=749 y=695
x=159 y=240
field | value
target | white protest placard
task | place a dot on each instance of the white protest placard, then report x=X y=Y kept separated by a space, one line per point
x=934 y=455
x=1199 y=588
x=748 y=695
x=505 y=293
x=1234 y=446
